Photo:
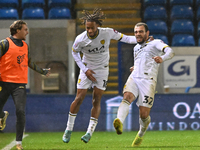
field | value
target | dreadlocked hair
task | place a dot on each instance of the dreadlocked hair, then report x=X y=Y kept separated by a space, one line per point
x=97 y=16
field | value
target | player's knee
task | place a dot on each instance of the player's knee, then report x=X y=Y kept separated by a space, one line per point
x=143 y=116
x=78 y=100
x=129 y=96
x=96 y=101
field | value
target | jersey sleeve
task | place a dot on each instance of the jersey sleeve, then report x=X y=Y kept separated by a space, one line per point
x=36 y=68
x=160 y=45
x=3 y=47
x=168 y=54
x=77 y=45
x=129 y=39
x=114 y=34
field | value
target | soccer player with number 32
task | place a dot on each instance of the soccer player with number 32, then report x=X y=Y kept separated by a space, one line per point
x=141 y=84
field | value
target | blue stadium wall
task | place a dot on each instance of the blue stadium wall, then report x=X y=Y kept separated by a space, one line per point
x=49 y=113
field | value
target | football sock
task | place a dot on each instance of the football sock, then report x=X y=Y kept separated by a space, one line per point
x=70 y=122
x=92 y=125
x=123 y=110
x=18 y=142
x=144 y=123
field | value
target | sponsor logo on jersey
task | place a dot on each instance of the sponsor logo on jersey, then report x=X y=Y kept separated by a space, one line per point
x=20 y=59
x=97 y=50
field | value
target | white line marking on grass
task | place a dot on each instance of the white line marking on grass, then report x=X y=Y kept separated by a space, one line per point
x=12 y=144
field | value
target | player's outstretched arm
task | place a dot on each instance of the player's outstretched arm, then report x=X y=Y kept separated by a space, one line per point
x=44 y=71
x=48 y=71
x=129 y=39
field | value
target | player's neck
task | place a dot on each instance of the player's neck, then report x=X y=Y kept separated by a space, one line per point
x=95 y=35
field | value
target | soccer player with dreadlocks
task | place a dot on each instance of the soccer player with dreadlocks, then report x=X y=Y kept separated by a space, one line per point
x=94 y=44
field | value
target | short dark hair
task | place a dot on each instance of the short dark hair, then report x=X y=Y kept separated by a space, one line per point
x=143 y=24
x=97 y=16
x=16 y=25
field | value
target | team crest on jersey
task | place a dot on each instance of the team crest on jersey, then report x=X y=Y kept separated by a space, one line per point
x=102 y=42
x=79 y=80
x=0 y=88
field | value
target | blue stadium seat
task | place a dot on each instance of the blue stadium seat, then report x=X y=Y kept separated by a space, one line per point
x=9 y=3
x=155 y=12
x=198 y=29
x=59 y=13
x=32 y=3
x=8 y=13
x=199 y=42
x=33 y=13
x=197 y=3
x=182 y=26
x=181 y=12
x=157 y=27
x=161 y=37
x=181 y=2
x=183 y=40
x=147 y=3
x=59 y=3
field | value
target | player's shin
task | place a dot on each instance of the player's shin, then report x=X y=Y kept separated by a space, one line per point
x=70 y=122
x=92 y=125
x=123 y=110
x=144 y=123
x=70 y=125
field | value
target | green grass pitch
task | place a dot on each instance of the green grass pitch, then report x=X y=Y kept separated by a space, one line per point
x=153 y=140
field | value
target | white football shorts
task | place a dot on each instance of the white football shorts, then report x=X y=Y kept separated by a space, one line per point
x=143 y=89
x=101 y=76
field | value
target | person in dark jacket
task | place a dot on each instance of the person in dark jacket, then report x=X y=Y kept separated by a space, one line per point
x=14 y=62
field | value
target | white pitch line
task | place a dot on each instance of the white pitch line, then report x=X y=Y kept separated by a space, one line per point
x=12 y=144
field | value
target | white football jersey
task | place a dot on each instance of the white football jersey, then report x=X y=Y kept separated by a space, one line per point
x=96 y=51
x=144 y=64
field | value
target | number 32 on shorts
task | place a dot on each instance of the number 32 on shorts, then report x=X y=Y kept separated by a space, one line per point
x=148 y=100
